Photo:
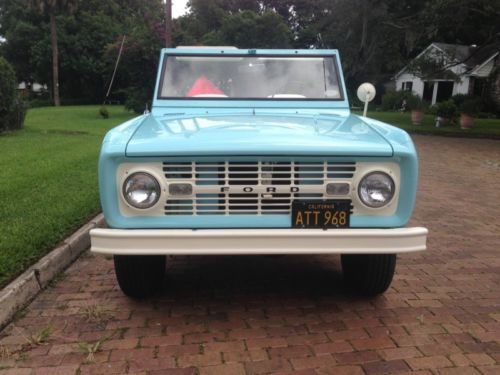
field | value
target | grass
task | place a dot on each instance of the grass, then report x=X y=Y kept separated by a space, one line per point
x=38 y=338
x=483 y=128
x=91 y=348
x=48 y=174
x=96 y=313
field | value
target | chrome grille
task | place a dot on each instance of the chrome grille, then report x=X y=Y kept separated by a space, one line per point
x=232 y=188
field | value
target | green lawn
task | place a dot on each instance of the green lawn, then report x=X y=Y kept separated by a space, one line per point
x=48 y=174
x=487 y=128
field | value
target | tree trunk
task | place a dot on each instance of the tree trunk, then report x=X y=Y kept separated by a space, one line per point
x=55 y=60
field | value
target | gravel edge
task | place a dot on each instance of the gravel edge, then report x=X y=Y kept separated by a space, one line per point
x=20 y=292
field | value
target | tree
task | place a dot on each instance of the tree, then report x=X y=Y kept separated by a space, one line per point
x=375 y=38
x=248 y=29
x=8 y=85
x=244 y=24
x=12 y=109
x=138 y=67
x=52 y=8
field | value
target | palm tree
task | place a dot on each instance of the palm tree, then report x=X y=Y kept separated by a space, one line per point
x=52 y=8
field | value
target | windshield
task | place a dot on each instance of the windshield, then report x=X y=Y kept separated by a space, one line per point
x=245 y=77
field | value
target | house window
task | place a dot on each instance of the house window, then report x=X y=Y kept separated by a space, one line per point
x=407 y=86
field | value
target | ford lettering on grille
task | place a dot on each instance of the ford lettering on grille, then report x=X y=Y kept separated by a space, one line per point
x=260 y=189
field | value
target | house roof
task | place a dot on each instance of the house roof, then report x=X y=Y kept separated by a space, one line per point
x=471 y=56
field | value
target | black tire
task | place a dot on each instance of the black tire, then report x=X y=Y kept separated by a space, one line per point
x=140 y=276
x=368 y=274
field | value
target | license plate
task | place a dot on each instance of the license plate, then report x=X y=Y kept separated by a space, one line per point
x=327 y=214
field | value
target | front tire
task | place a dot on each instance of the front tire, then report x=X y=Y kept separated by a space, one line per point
x=139 y=276
x=368 y=274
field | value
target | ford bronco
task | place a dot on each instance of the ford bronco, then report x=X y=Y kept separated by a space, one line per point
x=255 y=152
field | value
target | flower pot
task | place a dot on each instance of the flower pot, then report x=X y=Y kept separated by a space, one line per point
x=466 y=121
x=417 y=116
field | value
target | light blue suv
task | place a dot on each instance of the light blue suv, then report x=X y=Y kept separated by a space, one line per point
x=255 y=152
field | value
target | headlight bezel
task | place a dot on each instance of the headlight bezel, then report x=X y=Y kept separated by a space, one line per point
x=384 y=204
x=138 y=206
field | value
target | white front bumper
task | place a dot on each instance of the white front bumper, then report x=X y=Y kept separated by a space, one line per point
x=257 y=241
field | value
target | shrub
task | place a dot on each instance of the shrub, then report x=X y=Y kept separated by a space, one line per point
x=8 y=86
x=446 y=109
x=35 y=103
x=138 y=99
x=459 y=99
x=12 y=108
x=103 y=111
x=393 y=100
x=415 y=102
x=14 y=119
x=471 y=106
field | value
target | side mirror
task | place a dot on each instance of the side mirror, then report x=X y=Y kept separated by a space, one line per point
x=366 y=93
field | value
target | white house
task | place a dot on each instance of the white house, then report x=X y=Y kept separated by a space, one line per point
x=35 y=87
x=470 y=65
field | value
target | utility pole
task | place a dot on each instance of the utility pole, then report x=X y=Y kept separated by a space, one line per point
x=168 y=23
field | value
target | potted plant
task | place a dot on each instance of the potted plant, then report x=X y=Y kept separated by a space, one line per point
x=416 y=105
x=468 y=110
x=446 y=111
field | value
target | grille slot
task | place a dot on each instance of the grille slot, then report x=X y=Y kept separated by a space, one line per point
x=209 y=180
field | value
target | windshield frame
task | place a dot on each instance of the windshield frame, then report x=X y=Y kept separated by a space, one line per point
x=235 y=54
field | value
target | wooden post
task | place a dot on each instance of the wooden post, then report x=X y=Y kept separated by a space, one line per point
x=168 y=23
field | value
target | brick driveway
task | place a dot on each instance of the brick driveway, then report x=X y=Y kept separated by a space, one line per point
x=255 y=315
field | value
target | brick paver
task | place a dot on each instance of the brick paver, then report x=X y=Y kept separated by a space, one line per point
x=291 y=315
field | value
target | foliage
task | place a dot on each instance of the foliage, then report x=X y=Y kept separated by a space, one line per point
x=446 y=109
x=393 y=100
x=14 y=119
x=39 y=102
x=8 y=86
x=58 y=148
x=471 y=106
x=103 y=112
x=415 y=102
x=459 y=99
x=248 y=29
x=432 y=67
x=88 y=42
x=468 y=104
x=12 y=108
x=375 y=38
x=139 y=64
x=52 y=8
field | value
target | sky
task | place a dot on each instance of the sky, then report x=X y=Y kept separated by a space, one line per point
x=178 y=8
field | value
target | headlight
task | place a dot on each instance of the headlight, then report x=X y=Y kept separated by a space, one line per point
x=376 y=189
x=141 y=190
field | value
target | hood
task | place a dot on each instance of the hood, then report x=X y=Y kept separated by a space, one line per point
x=256 y=134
